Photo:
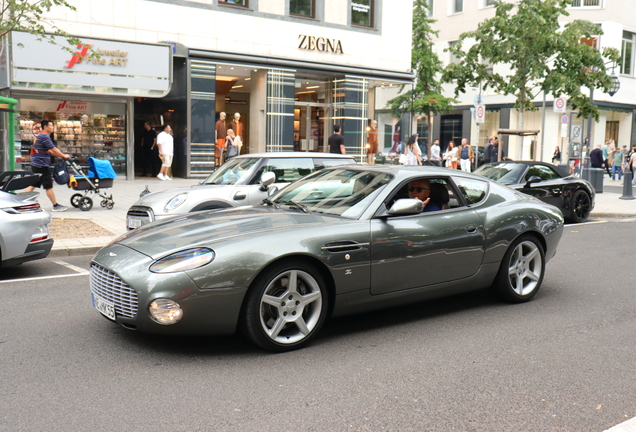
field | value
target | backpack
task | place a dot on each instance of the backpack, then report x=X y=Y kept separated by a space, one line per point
x=60 y=173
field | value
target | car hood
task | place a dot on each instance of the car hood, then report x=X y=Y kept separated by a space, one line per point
x=212 y=227
x=160 y=198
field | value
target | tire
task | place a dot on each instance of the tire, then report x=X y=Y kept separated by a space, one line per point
x=76 y=199
x=521 y=271
x=110 y=205
x=581 y=206
x=280 y=315
x=85 y=204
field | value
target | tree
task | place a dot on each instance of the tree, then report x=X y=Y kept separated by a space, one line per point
x=537 y=54
x=426 y=95
x=30 y=16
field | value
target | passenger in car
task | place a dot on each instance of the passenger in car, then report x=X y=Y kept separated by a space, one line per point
x=421 y=189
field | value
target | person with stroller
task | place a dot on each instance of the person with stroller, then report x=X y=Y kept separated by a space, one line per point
x=42 y=151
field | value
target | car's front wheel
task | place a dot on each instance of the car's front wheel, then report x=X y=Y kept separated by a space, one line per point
x=285 y=307
x=581 y=206
x=522 y=269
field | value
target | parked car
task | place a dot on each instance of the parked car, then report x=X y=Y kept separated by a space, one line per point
x=236 y=183
x=549 y=183
x=340 y=241
x=24 y=225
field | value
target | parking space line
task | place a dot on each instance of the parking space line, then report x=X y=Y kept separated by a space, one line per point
x=71 y=266
x=627 y=426
x=44 y=277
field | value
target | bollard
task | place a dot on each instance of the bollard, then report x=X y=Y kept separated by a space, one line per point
x=627 y=186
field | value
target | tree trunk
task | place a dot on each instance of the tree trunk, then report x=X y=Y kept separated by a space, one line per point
x=520 y=138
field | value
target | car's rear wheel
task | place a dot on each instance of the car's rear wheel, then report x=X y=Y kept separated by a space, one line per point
x=581 y=206
x=285 y=307
x=522 y=269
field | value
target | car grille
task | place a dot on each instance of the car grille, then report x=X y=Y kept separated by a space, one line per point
x=142 y=212
x=107 y=285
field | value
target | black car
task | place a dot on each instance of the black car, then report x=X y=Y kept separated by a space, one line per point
x=547 y=182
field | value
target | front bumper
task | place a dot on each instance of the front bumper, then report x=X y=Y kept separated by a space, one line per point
x=211 y=311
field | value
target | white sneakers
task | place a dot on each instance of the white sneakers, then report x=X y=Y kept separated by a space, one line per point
x=163 y=177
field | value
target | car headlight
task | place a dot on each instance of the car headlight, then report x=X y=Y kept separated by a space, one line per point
x=165 y=311
x=175 y=202
x=185 y=260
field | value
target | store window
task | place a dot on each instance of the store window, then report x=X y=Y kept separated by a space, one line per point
x=244 y=3
x=304 y=8
x=627 y=53
x=362 y=13
x=82 y=129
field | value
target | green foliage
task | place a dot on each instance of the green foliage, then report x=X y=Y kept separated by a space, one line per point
x=426 y=96
x=525 y=38
x=31 y=16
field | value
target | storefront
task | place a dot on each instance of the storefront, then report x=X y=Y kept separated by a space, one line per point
x=90 y=99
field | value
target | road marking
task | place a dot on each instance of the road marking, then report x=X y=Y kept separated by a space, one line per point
x=586 y=223
x=71 y=266
x=44 y=277
x=627 y=426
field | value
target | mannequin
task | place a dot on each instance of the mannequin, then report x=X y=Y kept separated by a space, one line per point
x=237 y=126
x=372 y=141
x=221 y=133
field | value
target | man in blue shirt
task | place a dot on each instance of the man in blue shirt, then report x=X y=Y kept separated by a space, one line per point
x=421 y=189
x=43 y=149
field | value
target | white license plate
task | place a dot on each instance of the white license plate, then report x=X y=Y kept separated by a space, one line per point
x=106 y=308
x=134 y=223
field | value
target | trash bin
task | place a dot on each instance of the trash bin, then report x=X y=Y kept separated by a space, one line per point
x=596 y=178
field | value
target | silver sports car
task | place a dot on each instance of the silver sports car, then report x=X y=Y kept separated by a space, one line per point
x=24 y=226
x=340 y=241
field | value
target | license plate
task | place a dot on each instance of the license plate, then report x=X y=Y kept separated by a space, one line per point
x=106 y=308
x=134 y=223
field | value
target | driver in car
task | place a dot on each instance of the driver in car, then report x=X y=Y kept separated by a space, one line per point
x=421 y=189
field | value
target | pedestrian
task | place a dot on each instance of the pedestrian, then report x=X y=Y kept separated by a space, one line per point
x=149 y=152
x=556 y=157
x=450 y=155
x=488 y=151
x=165 y=142
x=632 y=164
x=435 y=153
x=466 y=156
x=233 y=144
x=596 y=157
x=411 y=152
x=336 y=141
x=41 y=162
x=617 y=165
x=396 y=138
x=606 y=158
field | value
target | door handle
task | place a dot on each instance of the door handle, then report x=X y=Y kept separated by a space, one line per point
x=239 y=196
x=471 y=229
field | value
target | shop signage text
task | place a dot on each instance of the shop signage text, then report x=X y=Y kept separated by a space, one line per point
x=313 y=43
x=72 y=106
x=118 y=57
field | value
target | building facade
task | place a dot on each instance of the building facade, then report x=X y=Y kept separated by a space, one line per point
x=563 y=129
x=283 y=71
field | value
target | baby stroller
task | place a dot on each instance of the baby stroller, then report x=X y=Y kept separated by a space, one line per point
x=100 y=175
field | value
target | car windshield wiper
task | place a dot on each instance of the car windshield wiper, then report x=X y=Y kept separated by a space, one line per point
x=294 y=204
x=270 y=203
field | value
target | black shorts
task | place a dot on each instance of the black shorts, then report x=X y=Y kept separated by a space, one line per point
x=46 y=180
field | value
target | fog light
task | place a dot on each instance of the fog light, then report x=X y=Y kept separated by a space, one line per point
x=165 y=311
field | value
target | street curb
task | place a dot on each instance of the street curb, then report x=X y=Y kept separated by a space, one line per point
x=75 y=251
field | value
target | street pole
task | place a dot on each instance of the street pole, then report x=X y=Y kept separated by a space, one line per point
x=543 y=127
x=589 y=133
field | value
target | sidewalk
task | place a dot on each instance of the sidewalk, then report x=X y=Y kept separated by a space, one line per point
x=125 y=193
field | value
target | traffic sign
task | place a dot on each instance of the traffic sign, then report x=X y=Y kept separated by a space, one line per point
x=480 y=113
x=564 y=130
x=560 y=104
x=565 y=119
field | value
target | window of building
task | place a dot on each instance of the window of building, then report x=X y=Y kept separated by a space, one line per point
x=303 y=8
x=586 y=3
x=490 y=2
x=430 y=8
x=454 y=59
x=458 y=6
x=244 y=3
x=362 y=13
x=627 y=53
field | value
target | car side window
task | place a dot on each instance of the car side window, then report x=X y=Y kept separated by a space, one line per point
x=543 y=172
x=287 y=170
x=440 y=192
x=473 y=190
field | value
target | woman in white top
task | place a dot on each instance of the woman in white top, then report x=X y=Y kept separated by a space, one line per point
x=412 y=152
x=450 y=156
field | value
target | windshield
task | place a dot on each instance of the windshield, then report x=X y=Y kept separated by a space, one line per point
x=506 y=173
x=338 y=192
x=236 y=171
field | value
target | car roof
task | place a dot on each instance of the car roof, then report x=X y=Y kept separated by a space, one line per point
x=558 y=169
x=405 y=171
x=295 y=155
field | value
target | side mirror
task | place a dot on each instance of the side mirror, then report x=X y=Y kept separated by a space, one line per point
x=533 y=179
x=406 y=206
x=267 y=179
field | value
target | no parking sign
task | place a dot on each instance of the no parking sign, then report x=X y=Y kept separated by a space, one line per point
x=560 y=104
x=480 y=113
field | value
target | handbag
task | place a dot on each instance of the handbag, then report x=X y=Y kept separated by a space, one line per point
x=402 y=159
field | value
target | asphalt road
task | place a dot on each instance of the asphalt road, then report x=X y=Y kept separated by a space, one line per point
x=563 y=362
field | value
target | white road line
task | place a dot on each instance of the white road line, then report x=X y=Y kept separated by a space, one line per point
x=71 y=266
x=44 y=277
x=586 y=223
x=628 y=426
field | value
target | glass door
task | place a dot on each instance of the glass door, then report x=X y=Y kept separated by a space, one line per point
x=311 y=122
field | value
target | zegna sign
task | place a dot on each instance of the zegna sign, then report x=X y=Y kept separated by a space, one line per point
x=313 y=43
